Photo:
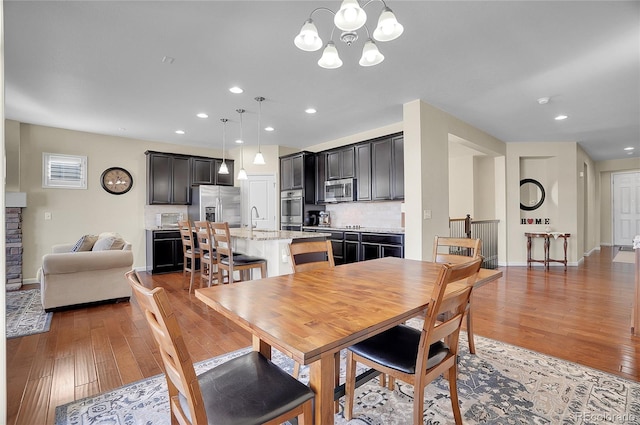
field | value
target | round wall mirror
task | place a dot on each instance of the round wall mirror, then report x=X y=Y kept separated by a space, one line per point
x=531 y=194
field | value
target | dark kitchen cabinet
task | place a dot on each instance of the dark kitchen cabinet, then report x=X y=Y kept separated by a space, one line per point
x=379 y=245
x=321 y=176
x=351 y=247
x=203 y=171
x=298 y=171
x=341 y=163
x=363 y=171
x=337 y=243
x=164 y=251
x=168 y=179
x=387 y=169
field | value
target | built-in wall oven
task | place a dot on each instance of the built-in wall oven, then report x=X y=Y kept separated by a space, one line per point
x=291 y=210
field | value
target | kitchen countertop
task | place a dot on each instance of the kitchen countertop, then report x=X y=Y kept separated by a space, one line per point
x=357 y=229
x=268 y=235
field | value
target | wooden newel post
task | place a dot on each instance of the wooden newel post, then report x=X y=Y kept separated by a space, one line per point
x=467 y=226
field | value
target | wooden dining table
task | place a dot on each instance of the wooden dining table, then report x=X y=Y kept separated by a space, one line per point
x=311 y=316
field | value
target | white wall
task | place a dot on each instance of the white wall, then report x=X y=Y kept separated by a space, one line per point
x=461 y=187
x=3 y=275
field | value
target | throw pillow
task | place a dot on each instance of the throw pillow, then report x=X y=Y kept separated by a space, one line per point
x=85 y=243
x=108 y=243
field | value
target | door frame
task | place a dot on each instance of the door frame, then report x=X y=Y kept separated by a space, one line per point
x=613 y=202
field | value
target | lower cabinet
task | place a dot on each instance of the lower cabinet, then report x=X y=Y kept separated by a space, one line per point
x=164 y=251
x=351 y=247
x=379 y=245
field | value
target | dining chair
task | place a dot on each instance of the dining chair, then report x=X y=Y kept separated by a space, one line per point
x=418 y=356
x=208 y=257
x=190 y=252
x=312 y=255
x=228 y=260
x=307 y=256
x=246 y=390
x=455 y=251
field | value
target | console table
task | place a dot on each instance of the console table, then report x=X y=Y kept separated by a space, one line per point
x=547 y=242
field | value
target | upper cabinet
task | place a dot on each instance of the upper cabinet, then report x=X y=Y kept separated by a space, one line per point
x=387 y=169
x=363 y=171
x=170 y=176
x=377 y=166
x=168 y=179
x=298 y=171
x=340 y=163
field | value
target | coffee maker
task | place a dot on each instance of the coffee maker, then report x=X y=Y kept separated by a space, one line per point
x=324 y=219
x=311 y=218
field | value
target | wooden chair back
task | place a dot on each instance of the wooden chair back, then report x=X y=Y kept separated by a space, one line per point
x=180 y=374
x=186 y=234
x=208 y=258
x=455 y=250
x=311 y=255
x=222 y=239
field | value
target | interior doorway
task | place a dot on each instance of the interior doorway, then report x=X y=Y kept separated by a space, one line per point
x=625 y=190
x=259 y=191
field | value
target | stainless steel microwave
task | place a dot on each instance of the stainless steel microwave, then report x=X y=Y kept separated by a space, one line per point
x=343 y=190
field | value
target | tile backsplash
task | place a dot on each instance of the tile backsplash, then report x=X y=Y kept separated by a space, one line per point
x=366 y=214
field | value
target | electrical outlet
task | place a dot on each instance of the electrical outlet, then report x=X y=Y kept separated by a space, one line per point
x=47 y=216
x=427 y=214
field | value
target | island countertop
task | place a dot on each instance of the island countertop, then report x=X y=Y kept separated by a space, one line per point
x=273 y=235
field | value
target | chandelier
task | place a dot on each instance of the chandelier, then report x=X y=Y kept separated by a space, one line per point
x=349 y=19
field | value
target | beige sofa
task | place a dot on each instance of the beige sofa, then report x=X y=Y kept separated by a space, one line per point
x=70 y=279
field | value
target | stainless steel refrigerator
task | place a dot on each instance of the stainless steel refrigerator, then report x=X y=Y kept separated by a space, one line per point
x=216 y=203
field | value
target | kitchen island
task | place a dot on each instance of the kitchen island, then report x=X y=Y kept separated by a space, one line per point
x=271 y=245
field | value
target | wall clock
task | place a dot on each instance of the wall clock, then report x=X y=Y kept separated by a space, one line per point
x=116 y=180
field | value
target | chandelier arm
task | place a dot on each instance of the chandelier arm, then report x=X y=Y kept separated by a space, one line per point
x=371 y=1
x=323 y=8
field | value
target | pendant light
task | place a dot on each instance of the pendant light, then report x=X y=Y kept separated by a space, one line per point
x=223 y=167
x=242 y=174
x=259 y=159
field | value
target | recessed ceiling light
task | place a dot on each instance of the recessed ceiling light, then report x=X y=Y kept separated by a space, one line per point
x=269 y=128
x=561 y=117
x=168 y=59
x=239 y=141
x=629 y=148
x=543 y=100
x=236 y=90
x=180 y=132
x=202 y=115
x=310 y=110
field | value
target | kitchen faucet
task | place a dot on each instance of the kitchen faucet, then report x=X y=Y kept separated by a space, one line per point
x=251 y=225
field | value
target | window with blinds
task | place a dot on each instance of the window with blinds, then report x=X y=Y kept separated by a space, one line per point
x=64 y=171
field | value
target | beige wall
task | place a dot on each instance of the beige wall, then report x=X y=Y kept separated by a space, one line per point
x=604 y=170
x=461 y=187
x=12 y=153
x=426 y=160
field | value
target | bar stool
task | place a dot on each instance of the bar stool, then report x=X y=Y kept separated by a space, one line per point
x=189 y=251
x=231 y=262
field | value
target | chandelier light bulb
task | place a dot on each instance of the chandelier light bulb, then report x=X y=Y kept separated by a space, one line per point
x=308 y=38
x=370 y=54
x=351 y=16
x=330 y=58
x=388 y=26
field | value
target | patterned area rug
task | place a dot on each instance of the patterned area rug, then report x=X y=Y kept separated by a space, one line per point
x=25 y=315
x=501 y=384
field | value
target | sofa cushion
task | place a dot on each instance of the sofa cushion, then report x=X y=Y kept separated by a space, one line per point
x=108 y=243
x=85 y=243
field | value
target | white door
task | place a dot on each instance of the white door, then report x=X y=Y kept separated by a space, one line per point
x=259 y=191
x=626 y=207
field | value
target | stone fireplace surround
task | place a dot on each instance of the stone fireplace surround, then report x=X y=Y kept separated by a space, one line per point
x=14 y=203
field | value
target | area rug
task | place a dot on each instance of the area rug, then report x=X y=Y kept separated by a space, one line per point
x=25 y=315
x=501 y=384
x=625 y=257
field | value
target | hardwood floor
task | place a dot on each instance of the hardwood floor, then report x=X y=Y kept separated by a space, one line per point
x=582 y=315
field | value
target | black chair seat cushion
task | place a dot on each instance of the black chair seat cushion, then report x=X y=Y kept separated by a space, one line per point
x=248 y=390
x=243 y=259
x=397 y=348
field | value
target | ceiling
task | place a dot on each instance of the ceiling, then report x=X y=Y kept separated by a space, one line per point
x=98 y=67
